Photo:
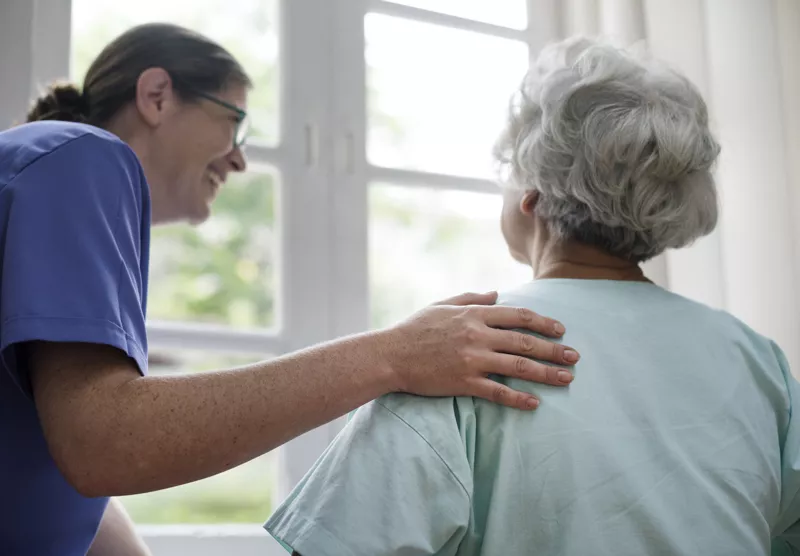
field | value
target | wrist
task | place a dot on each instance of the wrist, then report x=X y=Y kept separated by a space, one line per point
x=385 y=346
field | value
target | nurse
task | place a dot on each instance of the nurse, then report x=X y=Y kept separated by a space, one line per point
x=151 y=137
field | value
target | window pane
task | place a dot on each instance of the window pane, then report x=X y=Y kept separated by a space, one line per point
x=246 y=27
x=508 y=13
x=223 y=271
x=437 y=102
x=242 y=495
x=427 y=245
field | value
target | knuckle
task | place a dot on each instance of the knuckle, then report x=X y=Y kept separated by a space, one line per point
x=499 y=394
x=467 y=358
x=525 y=343
x=521 y=366
x=472 y=333
x=525 y=315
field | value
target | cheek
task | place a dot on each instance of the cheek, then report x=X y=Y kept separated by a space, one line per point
x=213 y=143
x=197 y=154
x=219 y=137
x=508 y=213
x=507 y=225
x=206 y=140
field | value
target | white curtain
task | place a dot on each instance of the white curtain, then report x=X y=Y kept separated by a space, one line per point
x=742 y=54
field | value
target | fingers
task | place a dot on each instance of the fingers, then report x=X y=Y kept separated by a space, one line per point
x=501 y=394
x=470 y=299
x=517 y=317
x=522 y=367
x=519 y=343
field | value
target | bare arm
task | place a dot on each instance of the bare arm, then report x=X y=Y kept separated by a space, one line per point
x=117 y=535
x=112 y=431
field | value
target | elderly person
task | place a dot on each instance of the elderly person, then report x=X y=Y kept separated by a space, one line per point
x=678 y=436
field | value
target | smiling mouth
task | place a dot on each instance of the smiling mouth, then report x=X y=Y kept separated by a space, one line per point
x=215 y=179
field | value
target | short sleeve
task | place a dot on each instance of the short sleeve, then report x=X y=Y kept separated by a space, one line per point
x=379 y=489
x=75 y=240
x=787 y=530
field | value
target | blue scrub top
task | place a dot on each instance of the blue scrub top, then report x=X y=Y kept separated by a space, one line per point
x=74 y=250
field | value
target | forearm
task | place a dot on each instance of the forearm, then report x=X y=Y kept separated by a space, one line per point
x=149 y=433
x=117 y=535
x=112 y=431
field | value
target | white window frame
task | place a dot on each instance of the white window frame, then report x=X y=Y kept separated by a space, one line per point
x=324 y=173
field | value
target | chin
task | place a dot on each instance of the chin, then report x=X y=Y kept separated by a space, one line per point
x=199 y=216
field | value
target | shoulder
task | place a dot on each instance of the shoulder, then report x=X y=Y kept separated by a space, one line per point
x=589 y=307
x=746 y=338
x=72 y=164
x=418 y=413
x=443 y=424
x=63 y=147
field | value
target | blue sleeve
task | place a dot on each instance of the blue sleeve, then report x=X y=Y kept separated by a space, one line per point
x=75 y=251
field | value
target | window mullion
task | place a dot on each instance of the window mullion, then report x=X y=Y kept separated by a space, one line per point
x=348 y=172
x=305 y=199
x=445 y=20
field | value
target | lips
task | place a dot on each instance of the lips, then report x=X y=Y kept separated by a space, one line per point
x=215 y=179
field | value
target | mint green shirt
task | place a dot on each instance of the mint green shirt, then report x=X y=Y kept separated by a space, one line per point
x=676 y=438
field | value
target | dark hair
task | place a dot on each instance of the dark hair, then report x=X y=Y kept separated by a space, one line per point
x=194 y=62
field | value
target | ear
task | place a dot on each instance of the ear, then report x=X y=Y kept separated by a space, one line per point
x=155 y=96
x=528 y=202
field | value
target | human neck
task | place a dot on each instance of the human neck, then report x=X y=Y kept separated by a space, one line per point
x=569 y=259
x=122 y=127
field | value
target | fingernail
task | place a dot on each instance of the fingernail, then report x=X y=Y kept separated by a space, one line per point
x=565 y=377
x=559 y=329
x=532 y=403
x=571 y=356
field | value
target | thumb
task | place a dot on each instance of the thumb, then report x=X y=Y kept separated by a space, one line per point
x=470 y=299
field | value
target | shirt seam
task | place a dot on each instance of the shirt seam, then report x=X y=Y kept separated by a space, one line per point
x=88 y=319
x=447 y=466
x=36 y=159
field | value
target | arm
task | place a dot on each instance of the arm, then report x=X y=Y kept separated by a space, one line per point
x=117 y=535
x=112 y=431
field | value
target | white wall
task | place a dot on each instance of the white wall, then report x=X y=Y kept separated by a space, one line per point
x=32 y=53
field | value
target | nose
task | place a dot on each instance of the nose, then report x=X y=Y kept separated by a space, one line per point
x=236 y=160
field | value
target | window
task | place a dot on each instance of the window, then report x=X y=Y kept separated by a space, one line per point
x=508 y=13
x=369 y=194
x=224 y=271
x=441 y=242
x=435 y=106
x=437 y=102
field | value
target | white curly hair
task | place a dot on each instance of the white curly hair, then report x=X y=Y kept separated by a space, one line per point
x=618 y=147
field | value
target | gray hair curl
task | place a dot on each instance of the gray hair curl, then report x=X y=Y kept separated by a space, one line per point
x=618 y=148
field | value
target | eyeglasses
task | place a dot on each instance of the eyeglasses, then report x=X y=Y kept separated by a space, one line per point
x=242 y=119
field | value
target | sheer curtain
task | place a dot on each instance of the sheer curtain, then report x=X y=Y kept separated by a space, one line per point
x=741 y=55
